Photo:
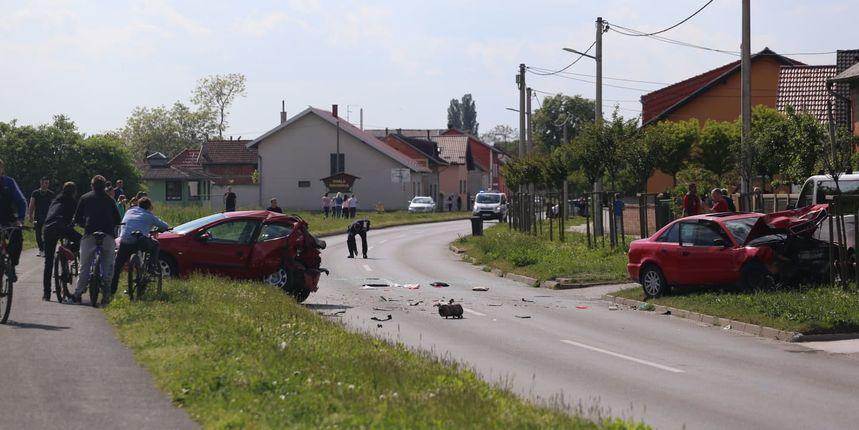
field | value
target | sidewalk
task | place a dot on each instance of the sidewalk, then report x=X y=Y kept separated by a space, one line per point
x=61 y=366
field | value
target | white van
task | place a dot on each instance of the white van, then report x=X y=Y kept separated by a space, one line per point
x=814 y=191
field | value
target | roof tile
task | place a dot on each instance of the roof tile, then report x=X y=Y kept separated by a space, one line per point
x=804 y=88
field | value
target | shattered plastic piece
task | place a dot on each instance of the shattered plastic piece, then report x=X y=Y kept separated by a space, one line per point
x=667 y=312
x=416 y=303
x=390 y=317
x=383 y=298
x=727 y=327
x=581 y=307
x=379 y=325
x=527 y=301
x=382 y=309
x=613 y=307
x=411 y=286
x=439 y=284
x=480 y=289
x=522 y=316
x=645 y=307
x=376 y=283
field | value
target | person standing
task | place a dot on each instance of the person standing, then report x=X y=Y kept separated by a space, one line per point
x=121 y=201
x=118 y=190
x=359 y=228
x=273 y=207
x=326 y=204
x=691 y=201
x=230 y=200
x=458 y=203
x=729 y=200
x=59 y=224
x=37 y=211
x=450 y=203
x=338 y=203
x=719 y=203
x=353 y=206
x=344 y=209
x=13 y=209
x=619 y=205
x=96 y=213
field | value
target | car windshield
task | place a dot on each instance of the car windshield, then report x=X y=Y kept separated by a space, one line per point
x=489 y=198
x=197 y=223
x=422 y=200
x=740 y=228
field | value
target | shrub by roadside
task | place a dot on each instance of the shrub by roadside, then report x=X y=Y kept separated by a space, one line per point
x=538 y=257
x=807 y=310
x=241 y=355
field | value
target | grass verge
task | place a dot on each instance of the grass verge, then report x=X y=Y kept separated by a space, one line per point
x=540 y=258
x=808 y=310
x=242 y=355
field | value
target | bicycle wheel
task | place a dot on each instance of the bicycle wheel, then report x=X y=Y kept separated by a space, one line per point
x=5 y=291
x=134 y=278
x=95 y=283
x=61 y=276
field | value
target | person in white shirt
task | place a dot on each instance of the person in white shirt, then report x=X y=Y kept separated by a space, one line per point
x=353 y=206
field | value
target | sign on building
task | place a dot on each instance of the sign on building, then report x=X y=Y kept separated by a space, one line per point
x=399 y=175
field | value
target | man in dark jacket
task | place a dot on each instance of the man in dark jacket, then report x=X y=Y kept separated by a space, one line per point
x=13 y=208
x=59 y=224
x=37 y=210
x=96 y=213
x=360 y=227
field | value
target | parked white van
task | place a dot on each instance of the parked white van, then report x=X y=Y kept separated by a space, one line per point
x=818 y=187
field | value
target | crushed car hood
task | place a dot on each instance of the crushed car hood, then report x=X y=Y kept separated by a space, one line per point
x=798 y=222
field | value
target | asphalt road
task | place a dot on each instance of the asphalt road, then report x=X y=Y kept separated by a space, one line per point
x=61 y=367
x=669 y=372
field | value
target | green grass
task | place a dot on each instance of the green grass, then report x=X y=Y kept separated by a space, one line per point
x=809 y=310
x=175 y=215
x=243 y=355
x=540 y=258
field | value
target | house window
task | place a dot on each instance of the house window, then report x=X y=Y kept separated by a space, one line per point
x=334 y=163
x=173 y=190
x=194 y=190
x=303 y=184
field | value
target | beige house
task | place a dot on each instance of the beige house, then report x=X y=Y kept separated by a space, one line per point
x=300 y=152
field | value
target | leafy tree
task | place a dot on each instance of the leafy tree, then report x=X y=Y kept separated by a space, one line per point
x=639 y=160
x=673 y=141
x=618 y=134
x=165 y=130
x=523 y=171
x=717 y=147
x=557 y=112
x=806 y=143
x=705 y=179
x=106 y=155
x=462 y=115
x=587 y=151
x=558 y=165
x=216 y=93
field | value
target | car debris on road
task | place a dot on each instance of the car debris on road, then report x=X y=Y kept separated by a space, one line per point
x=390 y=317
x=450 y=309
x=480 y=289
x=439 y=284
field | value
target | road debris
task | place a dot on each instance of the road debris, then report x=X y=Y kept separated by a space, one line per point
x=410 y=286
x=727 y=327
x=334 y=314
x=494 y=304
x=383 y=309
x=613 y=307
x=390 y=317
x=582 y=307
x=370 y=283
x=523 y=316
x=439 y=284
x=527 y=301
x=450 y=309
x=645 y=307
x=416 y=303
x=379 y=326
x=667 y=312
x=480 y=289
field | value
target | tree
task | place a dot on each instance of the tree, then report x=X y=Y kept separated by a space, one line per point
x=717 y=147
x=523 y=171
x=556 y=113
x=558 y=165
x=806 y=143
x=619 y=133
x=673 y=142
x=504 y=137
x=587 y=151
x=639 y=160
x=106 y=155
x=462 y=115
x=216 y=93
x=169 y=131
x=770 y=146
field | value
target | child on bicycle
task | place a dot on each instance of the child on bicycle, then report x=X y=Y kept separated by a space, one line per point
x=138 y=219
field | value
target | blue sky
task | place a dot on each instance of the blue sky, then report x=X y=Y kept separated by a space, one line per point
x=402 y=61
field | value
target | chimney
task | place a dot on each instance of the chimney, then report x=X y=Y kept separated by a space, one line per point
x=282 y=111
x=428 y=136
x=386 y=131
x=334 y=110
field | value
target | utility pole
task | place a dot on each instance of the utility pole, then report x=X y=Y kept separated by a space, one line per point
x=362 y=119
x=598 y=227
x=746 y=99
x=528 y=96
x=522 y=125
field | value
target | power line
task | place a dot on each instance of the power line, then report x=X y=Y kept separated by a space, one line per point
x=605 y=85
x=593 y=76
x=673 y=26
x=549 y=73
x=634 y=32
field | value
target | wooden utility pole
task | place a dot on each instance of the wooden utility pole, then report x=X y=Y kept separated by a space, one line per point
x=746 y=99
x=598 y=218
x=522 y=124
x=528 y=95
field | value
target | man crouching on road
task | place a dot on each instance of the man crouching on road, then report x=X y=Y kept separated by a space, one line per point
x=96 y=213
x=360 y=227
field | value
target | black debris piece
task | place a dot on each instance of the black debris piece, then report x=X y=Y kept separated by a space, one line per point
x=382 y=309
x=450 y=309
x=379 y=325
x=379 y=319
x=439 y=284
x=416 y=303
x=527 y=301
x=667 y=312
x=523 y=316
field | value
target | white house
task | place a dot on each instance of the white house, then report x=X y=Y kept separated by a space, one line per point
x=298 y=163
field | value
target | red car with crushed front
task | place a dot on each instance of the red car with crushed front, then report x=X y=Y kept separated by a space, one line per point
x=751 y=250
x=268 y=246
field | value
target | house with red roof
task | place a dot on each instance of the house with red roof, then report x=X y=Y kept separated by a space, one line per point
x=425 y=153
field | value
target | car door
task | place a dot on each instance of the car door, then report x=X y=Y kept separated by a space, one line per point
x=225 y=248
x=666 y=253
x=704 y=262
x=268 y=248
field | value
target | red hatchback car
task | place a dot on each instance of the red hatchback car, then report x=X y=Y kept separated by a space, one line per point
x=751 y=250
x=263 y=245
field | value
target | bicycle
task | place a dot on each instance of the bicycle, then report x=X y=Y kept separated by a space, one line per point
x=96 y=283
x=66 y=268
x=142 y=270
x=6 y=269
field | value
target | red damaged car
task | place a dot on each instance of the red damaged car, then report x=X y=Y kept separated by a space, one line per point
x=272 y=247
x=751 y=250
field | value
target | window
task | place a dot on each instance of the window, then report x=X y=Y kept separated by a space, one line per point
x=741 y=228
x=805 y=194
x=847 y=186
x=194 y=190
x=273 y=232
x=303 y=184
x=232 y=232
x=173 y=190
x=488 y=198
x=672 y=235
x=334 y=163
x=197 y=223
x=699 y=234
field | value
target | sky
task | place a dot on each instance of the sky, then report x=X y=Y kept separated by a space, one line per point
x=401 y=61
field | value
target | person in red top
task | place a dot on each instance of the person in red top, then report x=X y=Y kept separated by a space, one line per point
x=691 y=201
x=719 y=203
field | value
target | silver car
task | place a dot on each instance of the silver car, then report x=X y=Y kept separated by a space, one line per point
x=422 y=205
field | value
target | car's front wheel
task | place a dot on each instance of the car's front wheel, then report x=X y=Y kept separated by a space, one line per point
x=652 y=281
x=754 y=276
x=168 y=266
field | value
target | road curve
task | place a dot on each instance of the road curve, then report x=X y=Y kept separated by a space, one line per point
x=570 y=347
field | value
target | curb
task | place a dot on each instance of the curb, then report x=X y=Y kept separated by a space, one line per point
x=748 y=328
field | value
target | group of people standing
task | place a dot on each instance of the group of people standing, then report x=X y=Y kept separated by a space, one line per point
x=339 y=206
x=719 y=201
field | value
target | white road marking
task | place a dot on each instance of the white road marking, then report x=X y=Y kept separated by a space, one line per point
x=367 y=268
x=473 y=312
x=625 y=357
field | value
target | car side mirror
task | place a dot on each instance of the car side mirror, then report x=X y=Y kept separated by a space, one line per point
x=205 y=237
x=720 y=242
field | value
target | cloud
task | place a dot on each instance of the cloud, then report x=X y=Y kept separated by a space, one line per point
x=162 y=9
x=259 y=24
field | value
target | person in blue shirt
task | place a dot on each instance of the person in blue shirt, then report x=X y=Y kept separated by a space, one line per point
x=13 y=209
x=139 y=218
